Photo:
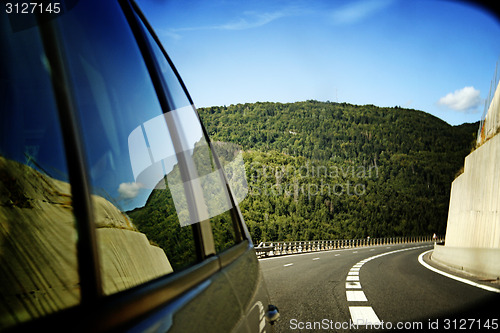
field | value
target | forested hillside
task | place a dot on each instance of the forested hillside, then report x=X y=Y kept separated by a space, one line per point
x=321 y=170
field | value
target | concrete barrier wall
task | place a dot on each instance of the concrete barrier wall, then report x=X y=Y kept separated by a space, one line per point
x=474 y=213
x=482 y=262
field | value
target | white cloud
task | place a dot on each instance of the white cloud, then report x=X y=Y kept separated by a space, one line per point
x=356 y=11
x=169 y=33
x=248 y=20
x=129 y=190
x=252 y=20
x=465 y=99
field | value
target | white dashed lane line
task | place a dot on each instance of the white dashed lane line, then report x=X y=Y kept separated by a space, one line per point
x=355 y=296
x=286 y=265
x=363 y=315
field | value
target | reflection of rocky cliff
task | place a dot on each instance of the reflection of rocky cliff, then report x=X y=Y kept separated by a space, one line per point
x=38 y=263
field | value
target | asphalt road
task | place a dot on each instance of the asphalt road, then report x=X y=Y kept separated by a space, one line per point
x=376 y=288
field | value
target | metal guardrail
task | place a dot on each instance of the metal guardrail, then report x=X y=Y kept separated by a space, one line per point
x=270 y=249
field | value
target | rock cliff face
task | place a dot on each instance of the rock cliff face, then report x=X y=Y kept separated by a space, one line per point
x=38 y=246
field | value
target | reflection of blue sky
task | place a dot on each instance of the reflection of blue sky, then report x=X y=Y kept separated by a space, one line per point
x=29 y=131
x=114 y=94
x=150 y=156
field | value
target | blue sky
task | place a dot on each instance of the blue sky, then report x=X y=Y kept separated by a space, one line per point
x=434 y=56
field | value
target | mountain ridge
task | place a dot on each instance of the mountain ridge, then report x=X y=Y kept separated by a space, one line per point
x=416 y=156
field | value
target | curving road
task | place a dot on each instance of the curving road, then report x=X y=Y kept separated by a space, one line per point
x=380 y=287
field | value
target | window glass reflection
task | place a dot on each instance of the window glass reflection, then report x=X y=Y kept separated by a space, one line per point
x=200 y=173
x=139 y=233
x=203 y=177
x=38 y=258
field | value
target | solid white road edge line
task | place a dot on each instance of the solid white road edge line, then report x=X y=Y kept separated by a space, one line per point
x=472 y=283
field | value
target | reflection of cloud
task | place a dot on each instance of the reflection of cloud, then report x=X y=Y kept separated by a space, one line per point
x=464 y=99
x=356 y=11
x=129 y=190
